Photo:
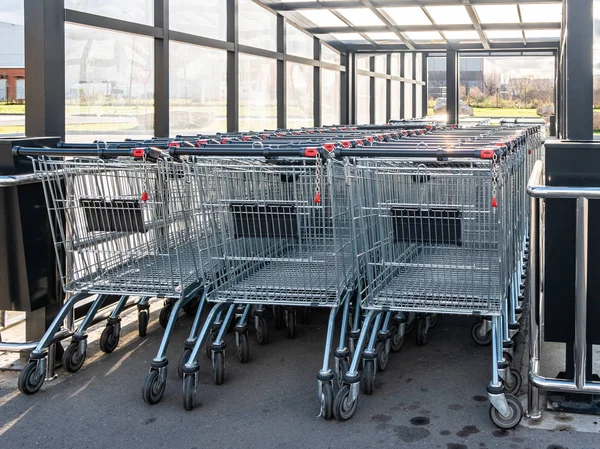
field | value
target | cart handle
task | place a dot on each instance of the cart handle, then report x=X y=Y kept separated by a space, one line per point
x=103 y=153
x=440 y=154
x=249 y=152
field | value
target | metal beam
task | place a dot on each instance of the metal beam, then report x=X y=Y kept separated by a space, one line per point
x=94 y=20
x=233 y=68
x=386 y=19
x=161 y=69
x=299 y=5
x=475 y=19
x=385 y=48
x=452 y=82
x=433 y=27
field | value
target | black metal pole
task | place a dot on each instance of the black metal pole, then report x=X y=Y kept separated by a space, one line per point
x=281 y=73
x=452 y=86
x=233 y=66
x=161 y=69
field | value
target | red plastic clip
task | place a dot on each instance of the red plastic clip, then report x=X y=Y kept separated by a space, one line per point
x=310 y=152
x=359 y=141
x=246 y=138
x=201 y=142
x=144 y=196
x=345 y=143
x=486 y=154
x=224 y=141
x=139 y=152
x=369 y=138
x=329 y=146
x=494 y=202
x=173 y=145
x=317 y=197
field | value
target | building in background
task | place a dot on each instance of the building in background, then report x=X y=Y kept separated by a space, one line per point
x=481 y=73
x=12 y=63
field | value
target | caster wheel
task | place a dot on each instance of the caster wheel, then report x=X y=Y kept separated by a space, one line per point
x=351 y=347
x=513 y=385
x=278 y=314
x=343 y=407
x=344 y=367
x=515 y=416
x=290 y=322
x=262 y=330
x=109 y=340
x=29 y=381
x=305 y=315
x=188 y=392
x=218 y=368
x=154 y=388
x=368 y=377
x=432 y=320
x=183 y=359
x=422 y=332
x=396 y=339
x=191 y=307
x=476 y=334
x=165 y=314
x=243 y=348
x=72 y=360
x=210 y=338
x=508 y=357
x=143 y=318
x=383 y=356
x=327 y=401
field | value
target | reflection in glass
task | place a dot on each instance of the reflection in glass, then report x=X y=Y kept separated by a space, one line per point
x=363 y=99
x=329 y=55
x=299 y=43
x=257 y=26
x=198 y=89
x=380 y=101
x=330 y=97
x=207 y=18
x=139 y=11
x=300 y=95
x=395 y=100
x=258 y=93
x=408 y=104
x=109 y=84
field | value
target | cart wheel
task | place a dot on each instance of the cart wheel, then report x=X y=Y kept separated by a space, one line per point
x=305 y=315
x=343 y=407
x=165 y=314
x=396 y=339
x=383 y=356
x=109 y=340
x=29 y=381
x=188 y=392
x=513 y=385
x=262 y=331
x=410 y=325
x=344 y=368
x=481 y=340
x=219 y=368
x=422 y=332
x=278 y=314
x=243 y=348
x=432 y=320
x=72 y=360
x=368 y=377
x=208 y=344
x=290 y=322
x=191 y=307
x=351 y=346
x=327 y=401
x=154 y=388
x=516 y=413
x=142 y=322
x=508 y=357
x=183 y=358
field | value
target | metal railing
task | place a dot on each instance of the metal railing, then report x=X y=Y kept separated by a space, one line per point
x=538 y=193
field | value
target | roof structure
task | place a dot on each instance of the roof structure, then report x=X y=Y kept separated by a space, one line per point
x=428 y=25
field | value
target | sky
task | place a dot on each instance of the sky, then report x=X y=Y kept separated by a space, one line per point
x=11 y=11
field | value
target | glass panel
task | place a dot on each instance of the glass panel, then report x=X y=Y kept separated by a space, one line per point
x=208 y=19
x=198 y=89
x=497 y=13
x=408 y=66
x=504 y=35
x=419 y=101
x=300 y=95
x=109 y=84
x=436 y=81
x=322 y=18
x=412 y=15
x=542 y=35
x=443 y=15
x=384 y=36
x=408 y=106
x=542 y=13
x=139 y=11
x=425 y=36
x=462 y=35
x=395 y=100
x=299 y=43
x=258 y=93
x=363 y=99
x=258 y=27
x=419 y=67
x=331 y=84
x=380 y=101
x=360 y=16
x=329 y=55
x=12 y=68
x=396 y=64
x=363 y=63
x=381 y=64
x=349 y=37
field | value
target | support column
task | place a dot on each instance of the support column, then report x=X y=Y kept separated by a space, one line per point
x=161 y=70
x=281 y=73
x=317 y=84
x=402 y=75
x=233 y=68
x=415 y=87
x=452 y=80
x=348 y=85
x=388 y=87
x=425 y=97
x=372 y=93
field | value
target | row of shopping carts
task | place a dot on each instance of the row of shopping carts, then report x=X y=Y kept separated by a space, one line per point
x=389 y=226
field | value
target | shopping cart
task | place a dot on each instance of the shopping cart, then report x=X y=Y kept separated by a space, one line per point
x=281 y=235
x=122 y=221
x=437 y=235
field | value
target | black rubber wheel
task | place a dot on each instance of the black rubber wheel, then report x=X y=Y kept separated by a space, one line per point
x=210 y=338
x=368 y=377
x=278 y=315
x=290 y=322
x=243 y=348
x=327 y=401
x=396 y=340
x=191 y=307
x=219 y=368
x=481 y=340
x=72 y=360
x=516 y=413
x=183 y=359
x=343 y=408
x=188 y=392
x=154 y=388
x=29 y=381
x=422 y=332
x=383 y=355
x=109 y=340
x=143 y=318
x=262 y=330
x=508 y=357
x=433 y=320
x=513 y=384
x=165 y=314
